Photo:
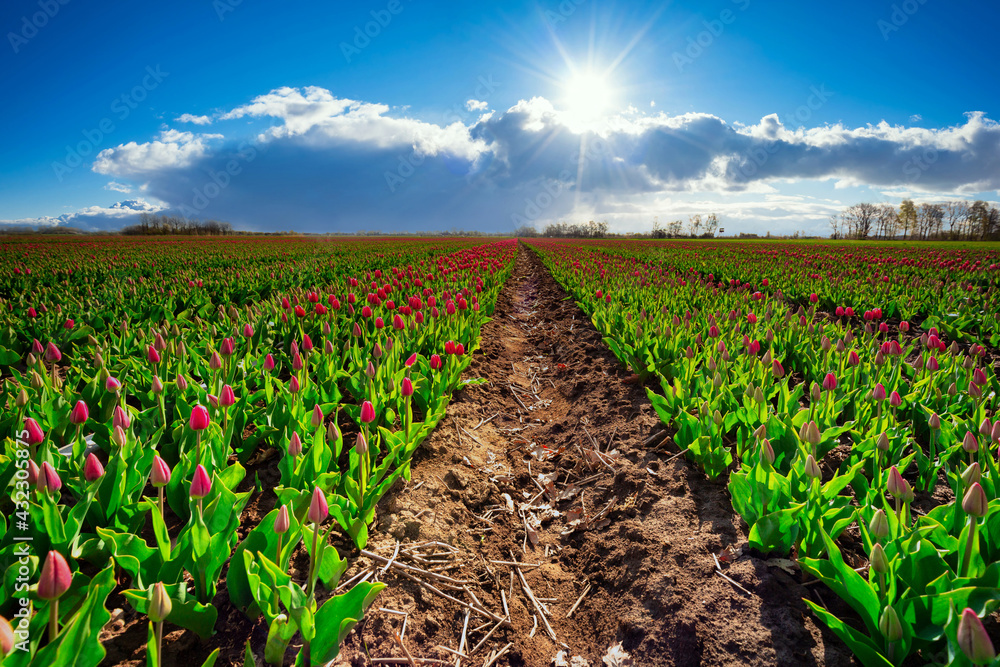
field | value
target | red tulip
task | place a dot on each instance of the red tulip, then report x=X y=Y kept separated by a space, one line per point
x=226 y=396
x=379 y=323
x=969 y=442
x=227 y=347
x=36 y=347
x=307 y=343
x=411 y=360
x=80 y=414
x=160 y=473
x=367 y=412
x=449 y=347
x=120 y=418
x=852 y=358
x=215 y=362
x=199 y=418
x=247 y=330
x=35 y=433
x=55 y=578
x=300 y=311
x=268 y=363
x=406 y=388
x=318 y=509
x=813 y=298
x=435 y=362
x=879 y=392
x=112 y=385
x=152 y=355
x=48 y=479
x=293 y=385
x=459 y=349
x=52 y=353
x=92 y=469
x=294 y=444
x=157 y=385
x=974 y=640
x=777 y=369
x=895 y=400
x=201 y=483
x=283 y=521
x=979 y=377
x=829 y=382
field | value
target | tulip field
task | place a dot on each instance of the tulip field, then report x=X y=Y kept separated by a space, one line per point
x=845 y=395
x=848 y=395
x=139 y=378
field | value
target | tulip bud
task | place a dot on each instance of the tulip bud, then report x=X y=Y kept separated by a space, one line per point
x=972 y=474
x=367 y=412
x=6 y=638
x=294 y=444
x=282 y=522
x=112 y=385
x=978 y=376
x=975 y=391
x=32 y=360
x=406 y=389
x=815 y=393
x=52 y=353
x=995 y=434
x=35 y=433
x=293 y=385
x=160 y=473
x=890 y=626
x=269 y=363
x=32 y=473
x=201 y=483
x=227 y=397
x=318 y=509
x=160 y=604
x=766 y=451
x=55 y=578
x=986 y=428
x=21 y=401
x=360 y=444
x=182 y=383
x=317 y=416
x=215 y=362
x=974 y=640
x=895 y=400
x=812 y=468
x=199 y=418
x=48 y=479
x=879 y=526
x=934 y=421
x=883 y=442
x=952 y=389
x=92 y=468
x=878 y=560
x=435 y=362
x=975 y=503
x=969 y=443
x=80 y=414
x=411 y=360
x=120 y=418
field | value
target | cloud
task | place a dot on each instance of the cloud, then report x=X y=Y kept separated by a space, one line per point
x=334 y=164
x=93 y=218
x=916 y=118
x=476 y=105
x=114 y=186
x=190 y=118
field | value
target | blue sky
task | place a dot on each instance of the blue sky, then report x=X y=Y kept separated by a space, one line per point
x=773 y=115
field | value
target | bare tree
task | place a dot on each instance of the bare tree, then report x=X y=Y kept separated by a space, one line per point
x=886 y=220
x=711 y=224
x=694 y=224
x=907 y=216
x=859 y=219
x=955 y=213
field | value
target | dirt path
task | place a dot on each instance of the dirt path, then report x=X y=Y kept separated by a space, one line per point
x=633 y=528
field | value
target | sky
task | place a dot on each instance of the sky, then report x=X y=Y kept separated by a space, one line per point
x=413 y=115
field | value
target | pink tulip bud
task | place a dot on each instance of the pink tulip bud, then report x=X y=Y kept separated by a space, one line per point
x=120 y=418
x=411 y=360
x=48 y=479
x=213 y=400
x=227 y=347
x=118 y=436
x=307 y=343
x=406 y=389
x=160 y=604
x=318 y=509
x=92 y=468
x=157 y=385
x=357 y=329
x=80 y=414
x=830 y=382
x=268 y=363
x=36 y=347
x=295 y=445
x=934 y=421
x=160 y=473
x=973 y=639
x=317 y=416
x=247 y=330
x=899 y=487
x=879 y=392
x=435 y=362
x=215 y=362
x=112 y=385
x=152 y=355
x=55 y=578
x=199 y=418
x=283 y=521
x=201 y=483
x=227 y=397
x=969 y=443
x=7 y=639
x=986 y=428
x=35 y=433
x=895 y=400
x=979 y=377
x=182 y=383
x=361 y=444
x=975 y=502
x=293 y=385
x=367 y=412
x=52 y=353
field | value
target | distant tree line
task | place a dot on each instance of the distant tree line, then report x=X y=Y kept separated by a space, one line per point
x=151 y=224
x=566 y=230
x=697 y=227
x=956 y=220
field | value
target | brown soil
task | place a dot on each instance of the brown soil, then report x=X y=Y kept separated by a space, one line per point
x=560 y=432
x=648 y=560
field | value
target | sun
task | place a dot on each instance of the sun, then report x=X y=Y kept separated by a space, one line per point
x=587 y=96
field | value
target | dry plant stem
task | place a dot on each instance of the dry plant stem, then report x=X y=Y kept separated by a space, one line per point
x=406 y=652
x=536 y=604
x=500 y=653
x=411 y=568
x=432 y=589
x=484 y=639
x=578 y=601
x=404 y=661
